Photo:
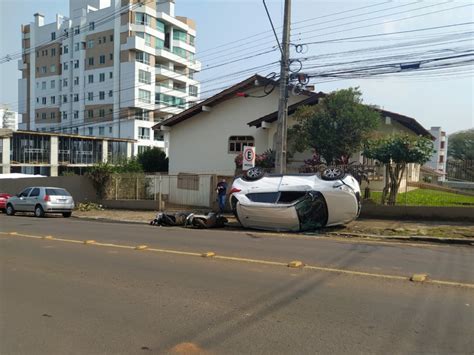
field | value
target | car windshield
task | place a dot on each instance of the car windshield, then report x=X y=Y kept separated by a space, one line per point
x=57 y=192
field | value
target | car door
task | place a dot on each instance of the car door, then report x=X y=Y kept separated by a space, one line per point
x=20 y=202
x=32 y=199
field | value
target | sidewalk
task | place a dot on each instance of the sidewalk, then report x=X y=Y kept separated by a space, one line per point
x=366 y=228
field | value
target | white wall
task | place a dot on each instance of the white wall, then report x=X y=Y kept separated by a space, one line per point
x=200 y=143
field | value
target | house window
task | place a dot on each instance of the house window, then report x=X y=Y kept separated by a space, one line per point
x=64 y=115
x=102 y=77
x=90 y=96
x=76 y=114
x=91 y=26
x=144 y=76
x=53 y=84
x=64 y=98
x=102 y=59
x=65 y=66
x=53 y=36
x=76 y=64
x=110 y=129
x=53 y=115
x=53 y=100
x=43 y=85
x=143 y=133
x=101 y=95
x=441 y=158
x=90 y=43
x=188 y=182
x=236 y=143
x=64 y=83
x=111 y=38
x=90 y=114
x=76 y=97
x=441 y=146
x=43 y=115
x=76 y=80
x=111 y=93
x=90 y=78
x=76 y=47
x=91 y=131
x=43 y=70
x=193 y=90
x=77 y=30
x=144 y=96
x=65 y=49
x=53 y=52
x=52 y=68
x=43 y=100
x=111 y=75
x=101 y=131
x=102 y=113
x=91 y=61
x=111 y=56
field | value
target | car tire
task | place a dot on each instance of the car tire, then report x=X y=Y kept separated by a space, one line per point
x=39 y=212
x=67 y=214
x=254 y=174
x=10 y=210
x=332 y=173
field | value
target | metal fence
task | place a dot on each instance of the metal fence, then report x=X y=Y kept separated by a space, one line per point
x=460 y=170
x=181 y=189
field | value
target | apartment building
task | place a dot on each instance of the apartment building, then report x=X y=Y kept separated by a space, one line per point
x=113 y=68
x=8 y=118
x=438 y=159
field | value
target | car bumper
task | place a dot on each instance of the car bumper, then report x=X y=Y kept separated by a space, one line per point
x=58 y=207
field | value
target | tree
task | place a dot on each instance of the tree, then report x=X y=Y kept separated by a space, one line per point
x=395 y=152
x=334 y=128
x=153 y=160
x=100 y=174
x=461 y=145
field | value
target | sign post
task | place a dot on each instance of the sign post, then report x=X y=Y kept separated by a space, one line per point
x=248 y=160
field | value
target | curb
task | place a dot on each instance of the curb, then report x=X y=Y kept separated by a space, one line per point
x=458 y=241
x=109 y=220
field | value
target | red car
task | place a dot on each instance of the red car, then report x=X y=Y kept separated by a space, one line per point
x=3 y=200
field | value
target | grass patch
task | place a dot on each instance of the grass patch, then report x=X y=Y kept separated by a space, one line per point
x=426 y=197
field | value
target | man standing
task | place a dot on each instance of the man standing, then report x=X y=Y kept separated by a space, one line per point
x=221 y=194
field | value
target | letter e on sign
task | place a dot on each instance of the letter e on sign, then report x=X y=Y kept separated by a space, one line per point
x=248 y=160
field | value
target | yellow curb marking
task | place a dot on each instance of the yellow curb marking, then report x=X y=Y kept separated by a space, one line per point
x=48 y=237
x=141 y=247
x=295 y=264
x=208 y=254
x=89 y=241
x=418 y=277
x=13 y=233
x=258 y=261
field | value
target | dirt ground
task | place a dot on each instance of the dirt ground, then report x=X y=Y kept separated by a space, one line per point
x=359 y=226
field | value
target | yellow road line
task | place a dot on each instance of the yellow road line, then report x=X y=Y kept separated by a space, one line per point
x=254 y=261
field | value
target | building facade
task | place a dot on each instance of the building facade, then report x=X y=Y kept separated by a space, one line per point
x=51 y=154
x=8 y=119
x=113 y=68
x=438 y=159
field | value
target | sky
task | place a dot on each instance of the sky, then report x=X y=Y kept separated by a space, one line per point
x=234 y=36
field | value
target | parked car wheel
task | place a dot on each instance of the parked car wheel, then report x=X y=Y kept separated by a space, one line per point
x=39 y=212
x=332 y=173
x=10 y=210
x=67 y=214
x=254 y=174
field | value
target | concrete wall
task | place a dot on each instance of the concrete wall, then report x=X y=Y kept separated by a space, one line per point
x=80 y=187
x=465 y=214
x=141 y=205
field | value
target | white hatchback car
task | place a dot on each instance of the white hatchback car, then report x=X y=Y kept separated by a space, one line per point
x=295 y=202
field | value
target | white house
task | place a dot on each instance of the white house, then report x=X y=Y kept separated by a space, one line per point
x=206 y=138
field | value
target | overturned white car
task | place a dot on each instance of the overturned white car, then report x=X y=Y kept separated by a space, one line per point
x=295 y=203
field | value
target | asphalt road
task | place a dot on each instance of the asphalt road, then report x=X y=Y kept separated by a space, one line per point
x=60 y=297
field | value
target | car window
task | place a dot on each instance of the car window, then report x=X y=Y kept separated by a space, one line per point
x=35 y=192
x=57 y=192
x=263 y=197
x=25 y=192
x=312 y=211
x=290 y=196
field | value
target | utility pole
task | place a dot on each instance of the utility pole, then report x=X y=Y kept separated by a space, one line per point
x=281 y=142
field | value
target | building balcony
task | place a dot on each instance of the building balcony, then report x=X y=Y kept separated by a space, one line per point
x=172 y=91
x=21 y=65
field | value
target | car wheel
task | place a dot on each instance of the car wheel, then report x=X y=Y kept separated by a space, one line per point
x=67 y=214
x=254 y=174
x=10 y=210
x=332 y=173
x=39 y=212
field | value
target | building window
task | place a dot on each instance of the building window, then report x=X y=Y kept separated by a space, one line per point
x=65 y=66
x=76 y=80
x=76 y=64
x=53 y=84
x=76 y=97
x=43 y=85
x=90 y=78
x=101 y=95
x=441 y=158
x=64 y=98
x=144 y=76
x=101 y=131
x=102 y=113
x=43 y=100
x=144 y=96
x=91 y=131
x=102 y=77
x=90 y=96
x=64 y=115
x=43 y=70
x=90 y=113
x=91 y=61
x=102 y=59
x=441 y=146
x=65 y=49
x=52 y=68
x=64 y=83
x=111 y=93
x=142 y=19
x=53 y=100
x=236 y=143
x=90 y=43
x=179 y=35
x=43 y=115
x=160 y=26
x=91 y=26
x=111 y=56
x=53 y=115
x=53 y=52
x=111 y=38
x=158 y=137
x=76 y=114
x=142 y=57
x=147 y=39
x=77 y=47
x=143 y=133
x=111 y=75
x=193 y=90
x=77 y=30
x=53 y=36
